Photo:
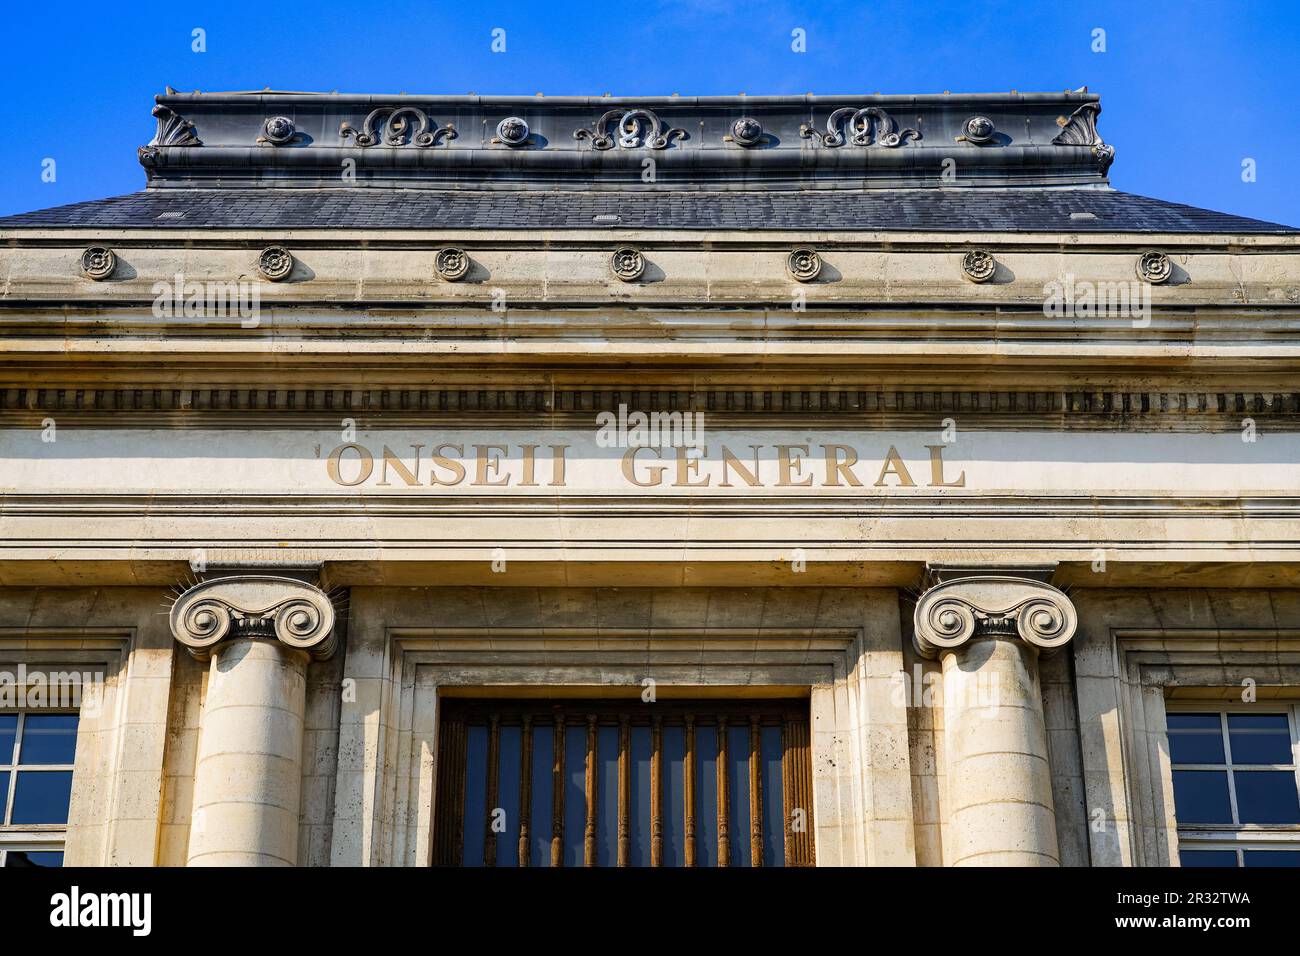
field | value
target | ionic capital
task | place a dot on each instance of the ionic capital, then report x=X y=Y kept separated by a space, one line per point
x=950 y=614
x=256 y=607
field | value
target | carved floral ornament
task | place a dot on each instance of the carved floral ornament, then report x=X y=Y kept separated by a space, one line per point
x=627 y=264
x=254 y=607
x=278 y=131
x=512 y=131
x=1154 y=267
x=951 y=614
x=978 y=265
x=1080 y=129
x=746 y=132
x=635 y=129
x=869 y=126
x=804 y=265
x=978 y=130
x=173 y=130
x=397 y=126
x=451 y=264
x=275 y=263
x=98 y=263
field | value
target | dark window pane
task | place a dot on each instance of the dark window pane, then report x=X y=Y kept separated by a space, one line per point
x=575 y=792
x=674 y=796
x=1272 y=857
x=4 y=794
x=539 y=853
x=508 y=791
x=1195 y=738
x=8 y=734
x=41 y=796
x=1259 y=738
x=706 y=783
x=607 y=790
x=49 y=738
x=1201 y=796
x=475 y=793
x=1208 y=857
x=34 y=858
x=773 y=799
x=642 y=812
x=738 y=756
x=1267 y=796
x=1268 y=722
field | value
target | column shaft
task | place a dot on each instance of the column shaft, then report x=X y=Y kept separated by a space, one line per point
x=248 y=777
x=999 y=778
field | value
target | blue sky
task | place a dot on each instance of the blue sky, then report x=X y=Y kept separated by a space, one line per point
x=1189 y=90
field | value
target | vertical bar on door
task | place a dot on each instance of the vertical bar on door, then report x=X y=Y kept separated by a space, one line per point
x=525 y=790
x=624 y=790
x=688 y=789
x=589 y=836
x=656 y=792
x=755 y=793
x=493 y=760
x=451 y=792
x=724 y=796
x=462 y=768
x=557 y=794
x=796 y=769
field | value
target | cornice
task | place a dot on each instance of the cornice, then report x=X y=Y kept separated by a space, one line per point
x=684 y=238
x=537 y=142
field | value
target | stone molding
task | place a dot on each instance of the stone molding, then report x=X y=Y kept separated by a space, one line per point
x=952 y=613
x=255 y=606
x=1088 y=407
x=1042 y=139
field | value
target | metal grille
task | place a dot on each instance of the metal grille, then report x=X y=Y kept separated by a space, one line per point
x=623 y=783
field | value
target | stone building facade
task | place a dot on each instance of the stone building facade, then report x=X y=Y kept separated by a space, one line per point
x=667 y=481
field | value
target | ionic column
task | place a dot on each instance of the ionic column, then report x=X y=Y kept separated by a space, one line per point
x=988 y=631
x=259 y=633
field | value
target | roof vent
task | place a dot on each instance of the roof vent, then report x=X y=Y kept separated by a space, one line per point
x=607 y=219
x=170 y=215
x=1083 y=215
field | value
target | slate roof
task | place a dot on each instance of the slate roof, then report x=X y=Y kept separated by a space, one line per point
x=1082 y=210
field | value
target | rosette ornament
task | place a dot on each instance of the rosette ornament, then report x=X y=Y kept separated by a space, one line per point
x=951 y=614
x=254 y=607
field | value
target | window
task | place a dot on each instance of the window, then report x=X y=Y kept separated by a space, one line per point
x=36 y=756
x=623 y=783
x=1236 y=790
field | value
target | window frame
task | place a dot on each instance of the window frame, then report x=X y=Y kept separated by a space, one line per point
x=454 y=834
x=34 y=837
x=1238 y=837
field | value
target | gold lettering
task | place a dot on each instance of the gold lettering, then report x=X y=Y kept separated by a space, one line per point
x=451 y=464
x=788 y=466
x=530 y=467
x=688 y=466
x=489 y=464
x=557 y=466
x=411 y=478
x=336 y=457
x=894 y=465
x=836 y=469
x=731 y=461
x=936 y=470
x=629 y=469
